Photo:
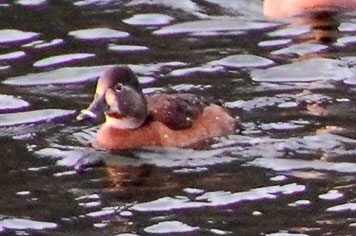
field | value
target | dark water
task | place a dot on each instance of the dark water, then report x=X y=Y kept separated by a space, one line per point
x=290 y=173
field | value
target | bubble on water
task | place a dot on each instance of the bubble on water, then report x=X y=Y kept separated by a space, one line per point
x=22 y=224
x=212 y=25
x=218 y=198
x=59 y=76
x=343 y=207
x=331 y=195
x=8 y=102
x=11 y=35
x=243 y=60
x=98 y=33
x=12 y=55
x=170 y=227
x=301 y=49
x=274 y=43
x=62 y=59
x=127 y=48
x=32 y=117
x=149 y=19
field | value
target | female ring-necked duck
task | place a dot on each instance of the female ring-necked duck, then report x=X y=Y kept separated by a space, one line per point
x=136 y=120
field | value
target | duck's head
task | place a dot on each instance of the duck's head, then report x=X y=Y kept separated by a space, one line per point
x=120 y=90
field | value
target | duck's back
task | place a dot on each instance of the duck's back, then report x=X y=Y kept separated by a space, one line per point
x=177 y=111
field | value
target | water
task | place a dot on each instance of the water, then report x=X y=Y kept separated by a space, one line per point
x=291 y=172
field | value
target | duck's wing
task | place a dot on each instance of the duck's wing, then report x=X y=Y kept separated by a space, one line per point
x=177 y=111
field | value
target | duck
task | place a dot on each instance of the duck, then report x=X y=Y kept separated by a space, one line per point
x=134 y=120
x=277 y=9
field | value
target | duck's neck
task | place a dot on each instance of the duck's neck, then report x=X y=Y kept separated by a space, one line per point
x=125 y=123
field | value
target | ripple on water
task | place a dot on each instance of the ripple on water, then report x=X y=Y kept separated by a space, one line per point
x=343 y=207
x=185 y=5
x=59 y=76
x=69 y=75
x=346 y=40
x=12 y=55
x=167 y=227
x=243 y=60
x=290 y=31
x=31 y=3
x=61 y=59
x=304 y=71
x=32 y=117
x=274 y=43
x=11 y=35
x=126 y=234
x=331 y=195
x=301 y=49
x=286 y=234
x=149 y=19
x=279 y=164
x=212 y=25
x=347 y=27
x=192 y=70
x=98 y=33
x=23 y=224
x=8 y=102
x=39 y=44
x=218 y=198
x=128 y=48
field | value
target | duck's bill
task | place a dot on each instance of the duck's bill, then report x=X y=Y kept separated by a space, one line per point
x=94 y=110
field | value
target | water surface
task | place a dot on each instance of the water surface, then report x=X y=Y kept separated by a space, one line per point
x=292 y=83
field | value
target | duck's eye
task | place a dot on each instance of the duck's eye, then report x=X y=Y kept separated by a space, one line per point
x=118 y=87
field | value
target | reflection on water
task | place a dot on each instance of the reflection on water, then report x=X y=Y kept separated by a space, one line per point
x=290 y=79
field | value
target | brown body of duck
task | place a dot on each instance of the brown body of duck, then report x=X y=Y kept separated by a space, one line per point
x=135 y=120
